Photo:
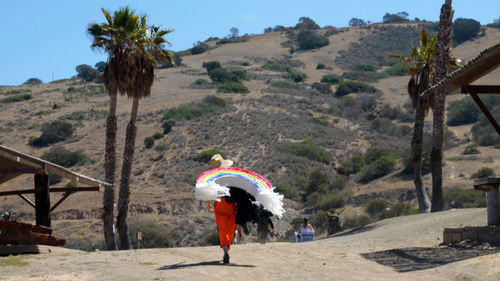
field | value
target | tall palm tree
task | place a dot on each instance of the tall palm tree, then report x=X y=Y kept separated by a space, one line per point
x=116 y=37
x=445 y=30
x=422 y=60
x=149 y=49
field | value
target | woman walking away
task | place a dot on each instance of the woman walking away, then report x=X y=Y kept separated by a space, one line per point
x=225 y=213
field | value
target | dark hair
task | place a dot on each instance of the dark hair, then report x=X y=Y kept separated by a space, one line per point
x=306 y=220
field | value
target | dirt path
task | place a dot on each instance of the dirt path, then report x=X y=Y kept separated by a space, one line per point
x=404 y=248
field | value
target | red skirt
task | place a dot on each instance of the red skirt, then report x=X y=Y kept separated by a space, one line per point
x=225 y=213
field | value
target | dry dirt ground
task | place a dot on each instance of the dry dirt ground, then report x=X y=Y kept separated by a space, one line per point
x=403 y=248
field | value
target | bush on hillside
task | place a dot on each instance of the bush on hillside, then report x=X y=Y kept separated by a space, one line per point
x=192 y=110
x=296 y=76
x=323 y=88
x=16 y=98
x=288 y=191
x=306 y=23
x=471 y=149
x=364 y=68
x=63 y=157
x=199 y=48
x=377 y=169
x=308 y=40
x=464 y=198
x=167 y=126
x=365 y=76
x=320 y=66
x=483 y=173
x=154 y=233
x=53 y=132
x=33 y=81
x=275 y=66
x=209 y=65
x=353 y=165
x=375 y=207
x=149 y=142
x=331 y=79
x=461 y=112
x=357 y=22
x=308 y=150
x=221 y=75
x=86 y=72
x=465 y=29
x=355 y=221
x=399 y=209
x=232 y=87
x=240 y=73
x=285 y=84
x=349 y=87
x=398 y=69
x=398 y=17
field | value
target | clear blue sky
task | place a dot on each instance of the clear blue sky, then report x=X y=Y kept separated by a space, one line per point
x=46 y=39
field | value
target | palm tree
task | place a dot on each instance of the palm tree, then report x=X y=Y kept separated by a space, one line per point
x=148 y=50
x=443 y=57
x=116 y=37
x=422 y=59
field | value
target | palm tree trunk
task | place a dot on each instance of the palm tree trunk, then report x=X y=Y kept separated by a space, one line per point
x=424 y=204
x=110 y=166
x=124 y=193
x=442 y=59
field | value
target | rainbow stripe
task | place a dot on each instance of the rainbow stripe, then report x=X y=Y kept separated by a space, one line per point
x=258 y=181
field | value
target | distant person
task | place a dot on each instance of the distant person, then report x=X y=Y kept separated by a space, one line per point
x=333 y=224
x=306 y=231
x=264 y=221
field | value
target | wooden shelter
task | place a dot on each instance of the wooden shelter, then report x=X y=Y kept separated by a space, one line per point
x=14 y=163
x=462 y=78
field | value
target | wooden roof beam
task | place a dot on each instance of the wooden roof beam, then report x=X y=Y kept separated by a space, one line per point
x=481 y=89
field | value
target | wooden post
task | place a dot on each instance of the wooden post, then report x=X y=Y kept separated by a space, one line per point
x=492 y=206
x=42 y=199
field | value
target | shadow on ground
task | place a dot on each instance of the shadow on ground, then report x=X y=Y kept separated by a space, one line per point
x=413 y=259
x=205 y=263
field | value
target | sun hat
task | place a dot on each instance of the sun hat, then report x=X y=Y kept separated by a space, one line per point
x=218 y=162
x=5 y=214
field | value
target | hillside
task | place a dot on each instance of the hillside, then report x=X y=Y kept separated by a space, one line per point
x=257 y=131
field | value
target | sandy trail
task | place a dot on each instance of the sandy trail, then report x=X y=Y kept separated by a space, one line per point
x=403 y=248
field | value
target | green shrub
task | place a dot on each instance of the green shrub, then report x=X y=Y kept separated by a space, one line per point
x=398 y=69
x=288 y=191
x=193 y=110
x=53 y=132
x=375 y=207
x=323 y=88
x=349 y=87
x=86 y=72
x=465 y=29
x=306 y=23
x=398 y=17
x=232 y=87
x=462 y=112
x=331 y=79
x=158 y=135
x=33 y=81
x=199 y=48
x=240 y=73
x=210 y=65
x=245 y=63
x=161 y=147
x=308 y=40
x=285 y=84
x=471 y=149
x=275 y=66
x=16 y=98
x=72 y=89
x=464 y=198
x=365 y=67
x=319 y=121
x=201 y=82
x=365 y=76
x=307 y=149
x=353 y=165
x=221 y=75
x=355 y=221
x=167 y=126
x=377 y=169
x=398 y=209
x=317 y=182
x=154 y=233
x=63 y=157
x=296 y=76
x=332 y=200
x=483 y=173
x=206 y=155
x=382 y=125
x=320 y=66
x=149 y=142
x=338 y=183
